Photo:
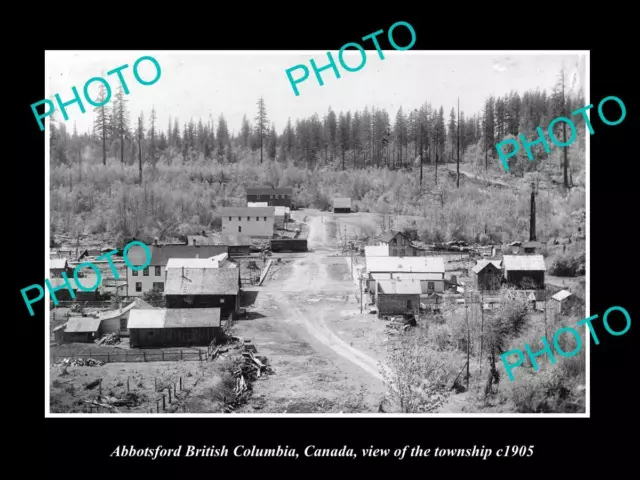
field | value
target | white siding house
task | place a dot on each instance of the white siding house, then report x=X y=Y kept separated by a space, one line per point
x=252 y=221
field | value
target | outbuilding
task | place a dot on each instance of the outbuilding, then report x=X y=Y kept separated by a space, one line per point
x=525 y=271
x=174 y=327
x=341 y=205
x=487 y=274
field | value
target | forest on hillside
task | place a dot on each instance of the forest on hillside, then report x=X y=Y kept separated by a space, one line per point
x=133 y=177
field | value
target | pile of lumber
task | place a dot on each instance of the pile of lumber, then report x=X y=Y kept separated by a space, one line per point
x=399 y=324
x=110 y=339
x=250 y=367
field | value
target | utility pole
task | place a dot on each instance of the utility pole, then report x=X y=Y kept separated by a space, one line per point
x=532 y=220
x=458 y=138
x=466 y=310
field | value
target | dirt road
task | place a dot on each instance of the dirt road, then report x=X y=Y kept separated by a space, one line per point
x=296 y=303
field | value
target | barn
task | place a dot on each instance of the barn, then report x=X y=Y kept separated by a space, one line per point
x=525 y=271
x=398 y=297
x=487 y=274
x=341 y=205
x=174 y=327
x=204 y=288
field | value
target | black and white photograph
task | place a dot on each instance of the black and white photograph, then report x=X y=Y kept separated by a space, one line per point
x=399 y=240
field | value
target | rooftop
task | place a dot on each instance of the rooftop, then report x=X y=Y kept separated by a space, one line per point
x=269 y=190
x=341 y=202
x=561 y=295
x=211 y=262
x=483 y=263
x=58 y=263
x=247 y=212
x=174 y=318
x=220 y=239
x=387 y=236
x=376 y=251
x=160 y=255
x=202 y=281
x=82 y=325
x=524 y=263
x=406 y=264
x=397 y=286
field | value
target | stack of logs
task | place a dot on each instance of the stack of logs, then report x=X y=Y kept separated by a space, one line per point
x=250 y=367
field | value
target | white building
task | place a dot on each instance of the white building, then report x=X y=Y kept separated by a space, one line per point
x=252 y=221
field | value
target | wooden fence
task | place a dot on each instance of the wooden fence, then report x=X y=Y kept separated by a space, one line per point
x=122 y=357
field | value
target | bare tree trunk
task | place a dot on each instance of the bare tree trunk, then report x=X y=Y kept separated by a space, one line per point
x=458 y=139
x=140 y=158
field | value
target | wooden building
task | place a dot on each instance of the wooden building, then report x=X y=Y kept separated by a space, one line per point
x=204 y=288
x=487 y=274
x=251 y=221
x=398 y=243
x=341 y=205
x=175 y=327
x=280 y=197
x=81 y=330
x=380 y=268
x=116 y=321
x=153 y=276
x=531 y=248
x=524 y=271
x=238 y=245
x=397 y=297
x=57 y=266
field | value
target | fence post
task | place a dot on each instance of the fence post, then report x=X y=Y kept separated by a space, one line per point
x=157 y=406
x=180 y=354
x=155 y=384
x=180 y=383
x=127 y=384
x=100 y=389
x=163 y=355
x=108 y=357
x=169 y=394
x=144 y=356
x=200 y=356
x=164 y=407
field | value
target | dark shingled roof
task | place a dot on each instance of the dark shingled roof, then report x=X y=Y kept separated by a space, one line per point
x=202 y=281
x=161 y=255
x=387 y=236
x=247 y=212
x=269 y=191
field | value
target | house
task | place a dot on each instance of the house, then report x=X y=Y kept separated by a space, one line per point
x=525 y=271
x=204 y=288
x=57 y=266
x=81 y=330
x=281 y=197
x=564 y=303
x=398 y=243
x=238 y=245
x=487 y=274
x=252 y=221
x=174 y=327
x=87 y=281
x=381 y=268
x=341 y=205
x=376 y=251
x=530 y=248
x=153 y=276
x=116 y=321
x=397 y=297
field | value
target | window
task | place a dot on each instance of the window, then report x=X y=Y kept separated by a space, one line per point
x=265 y=219
x=134 y=273
x=402 y=241
x=257 y=219
x=145 y=272
x=158 y=271
x=158 y=286
x=222 y=300
x=431 y=286
x=395 y=241
x=257 y=197
x=239 y=229
x=248 y=219
x=229 y=218
x=123 y=324
x=409 y=304
x=138 y=286
x=239 y=219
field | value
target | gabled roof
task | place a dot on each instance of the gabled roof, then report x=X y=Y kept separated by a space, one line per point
x=175 y=318
x=220 y=239
x=418 y=276
x=82 y=325
x=341 y=202
x=387 y=236
x=524 y=263
x=406 y=264
x=211 y=262
x=561 y=295
x=202 y=281
x=247 y=212
x=483 y=263
x=269 y=191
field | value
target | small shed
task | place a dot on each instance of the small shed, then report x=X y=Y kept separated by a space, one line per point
x=81 y=330
x=487 y=274
x=563 y=302
x=341 y=205
x=531 y=248
x=398 y=297
x=57 y=266
x=174 y=327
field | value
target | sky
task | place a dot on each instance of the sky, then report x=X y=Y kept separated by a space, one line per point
x=202 y=84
